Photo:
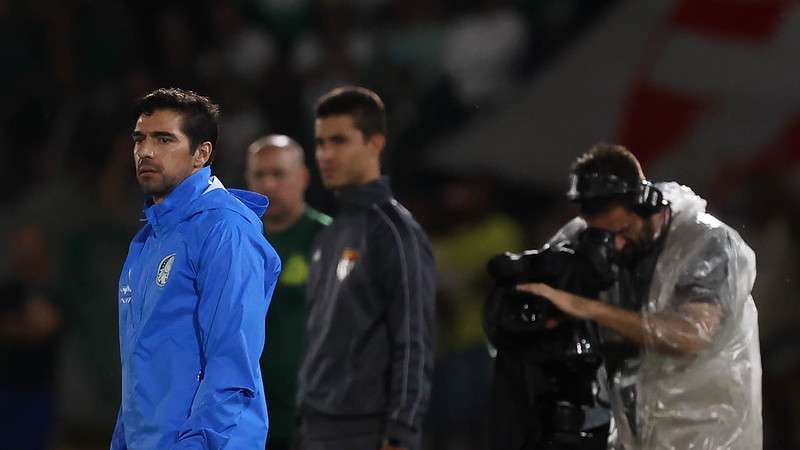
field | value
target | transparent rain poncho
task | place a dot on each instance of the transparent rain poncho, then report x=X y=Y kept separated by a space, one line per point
x=696 y=383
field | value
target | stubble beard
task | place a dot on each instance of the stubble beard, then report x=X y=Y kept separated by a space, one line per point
x=157 y=188
x=645 y=245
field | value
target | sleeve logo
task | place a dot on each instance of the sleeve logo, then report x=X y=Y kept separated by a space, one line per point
x=125 y=291
x=164 y=268
x=125 y=294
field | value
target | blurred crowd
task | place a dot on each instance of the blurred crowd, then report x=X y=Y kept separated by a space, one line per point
x=72 y=69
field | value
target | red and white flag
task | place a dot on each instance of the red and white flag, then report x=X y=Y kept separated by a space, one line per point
x=704 y=92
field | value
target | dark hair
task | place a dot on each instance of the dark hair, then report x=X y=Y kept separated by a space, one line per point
x=199 y=114
x=604 y=160
x=365 y=106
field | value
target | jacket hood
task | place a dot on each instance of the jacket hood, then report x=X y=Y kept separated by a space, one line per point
x=254 y=201
x=185 y=201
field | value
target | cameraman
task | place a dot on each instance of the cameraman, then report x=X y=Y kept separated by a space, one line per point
x=679 y=328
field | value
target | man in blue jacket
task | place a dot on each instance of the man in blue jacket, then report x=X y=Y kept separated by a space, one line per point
x=193 y=292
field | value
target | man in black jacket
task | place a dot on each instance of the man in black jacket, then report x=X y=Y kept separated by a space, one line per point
x=365 y=379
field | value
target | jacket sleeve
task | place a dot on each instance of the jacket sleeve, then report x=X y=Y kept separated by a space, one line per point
x=118 y=438
x=406 y=279
x=236 y=275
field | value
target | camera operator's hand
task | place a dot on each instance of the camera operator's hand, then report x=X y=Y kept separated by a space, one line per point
x=684 y=332
x=574 y=305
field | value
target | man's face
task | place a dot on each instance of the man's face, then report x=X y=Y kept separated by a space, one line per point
x=162 y=154
x=633 y=234
x=281 y=175
x=344 y=155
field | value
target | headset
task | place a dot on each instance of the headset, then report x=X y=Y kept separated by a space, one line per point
x=647 y=198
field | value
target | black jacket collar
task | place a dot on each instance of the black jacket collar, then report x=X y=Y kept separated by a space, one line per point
x=366 y=194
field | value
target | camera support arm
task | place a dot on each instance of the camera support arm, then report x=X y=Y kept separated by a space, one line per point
x=685 y=332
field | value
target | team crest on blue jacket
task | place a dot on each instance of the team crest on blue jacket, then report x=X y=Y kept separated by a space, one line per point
x=164 y=268
x=346 y=263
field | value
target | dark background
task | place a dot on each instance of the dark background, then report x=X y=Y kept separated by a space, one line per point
x=488 y=103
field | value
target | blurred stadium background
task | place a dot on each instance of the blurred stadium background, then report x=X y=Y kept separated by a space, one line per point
x=489 y=102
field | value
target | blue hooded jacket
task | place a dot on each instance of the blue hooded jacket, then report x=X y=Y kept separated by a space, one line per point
x=193 y=295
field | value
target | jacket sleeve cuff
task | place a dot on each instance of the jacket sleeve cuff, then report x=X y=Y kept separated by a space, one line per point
x=400 y=434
